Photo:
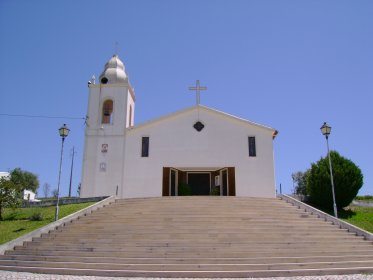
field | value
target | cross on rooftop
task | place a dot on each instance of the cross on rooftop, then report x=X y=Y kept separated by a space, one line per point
x=197 y=88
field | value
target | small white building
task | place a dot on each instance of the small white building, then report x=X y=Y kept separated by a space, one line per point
x=29 y=196
x=198 y=146
x=4 y=174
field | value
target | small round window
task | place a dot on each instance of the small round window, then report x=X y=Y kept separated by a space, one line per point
x=104 y=80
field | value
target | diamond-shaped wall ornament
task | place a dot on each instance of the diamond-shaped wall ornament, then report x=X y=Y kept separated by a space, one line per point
x=198 y=126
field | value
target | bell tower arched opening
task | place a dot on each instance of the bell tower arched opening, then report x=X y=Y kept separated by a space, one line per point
x=107 y=112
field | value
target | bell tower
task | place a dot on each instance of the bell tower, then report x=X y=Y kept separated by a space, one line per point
x=111 y=107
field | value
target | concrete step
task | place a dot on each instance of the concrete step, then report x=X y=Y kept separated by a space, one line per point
x=105 y=241
x=253 y=227
x=187 y=266
x=265 y=252
x=184 y=246
x=142 y=260
x=205 y=236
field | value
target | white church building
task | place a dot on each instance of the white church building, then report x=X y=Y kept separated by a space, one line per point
x=195 y=151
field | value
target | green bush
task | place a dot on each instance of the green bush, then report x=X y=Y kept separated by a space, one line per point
x=11 y=216
x=348 y=179
x=36 y=216
x=215 y=191
x=184 y=189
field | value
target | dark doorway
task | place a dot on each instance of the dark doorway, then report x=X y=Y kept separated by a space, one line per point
x=224 y=182
x=199 y=183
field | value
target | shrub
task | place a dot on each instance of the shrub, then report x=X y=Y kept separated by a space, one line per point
x=11 y=216
x=185 y=189
x=215 y=191
x=36 y=216
x=348 y=179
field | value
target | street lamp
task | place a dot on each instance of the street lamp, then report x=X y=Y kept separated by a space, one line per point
x=325 y=130
x=64 y=131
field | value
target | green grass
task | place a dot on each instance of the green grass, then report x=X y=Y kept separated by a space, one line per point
x=358 y=216
x=365 y=197
x=17 y=222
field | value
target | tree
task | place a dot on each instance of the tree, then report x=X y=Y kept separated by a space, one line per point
x=55 y=193
x=12 y=187
x=9 y=194
x=25 y=179
x=300 y=182
x=46 y=189
x=348 y=179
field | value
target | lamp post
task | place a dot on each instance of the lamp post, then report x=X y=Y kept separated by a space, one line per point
x=325 y=130
x=64 y=131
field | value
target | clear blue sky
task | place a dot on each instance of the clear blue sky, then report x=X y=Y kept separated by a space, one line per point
x=290 y=65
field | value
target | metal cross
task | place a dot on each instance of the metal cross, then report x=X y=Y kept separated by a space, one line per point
x=197 y=88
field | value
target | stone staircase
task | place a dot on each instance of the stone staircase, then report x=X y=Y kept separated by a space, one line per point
x=195 y=237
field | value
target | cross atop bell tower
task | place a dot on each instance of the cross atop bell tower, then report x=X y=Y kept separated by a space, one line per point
x=198 y=88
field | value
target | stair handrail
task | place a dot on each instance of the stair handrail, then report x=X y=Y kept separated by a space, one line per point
x=314 y=211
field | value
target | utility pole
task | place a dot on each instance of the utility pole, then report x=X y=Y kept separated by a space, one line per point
x=71 y=172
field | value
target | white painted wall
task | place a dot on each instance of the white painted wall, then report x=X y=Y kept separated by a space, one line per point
x=222 y=143
x=29 y=195
x=97 y=181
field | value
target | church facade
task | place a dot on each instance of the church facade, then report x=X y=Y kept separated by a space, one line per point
x=195 y=151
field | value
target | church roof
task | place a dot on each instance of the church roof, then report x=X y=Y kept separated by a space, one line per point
x=114 y=72
x=208 y=109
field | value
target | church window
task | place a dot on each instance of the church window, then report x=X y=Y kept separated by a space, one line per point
x=145 y=147
x=107 y=111
x=252 y=146
x=198 y=126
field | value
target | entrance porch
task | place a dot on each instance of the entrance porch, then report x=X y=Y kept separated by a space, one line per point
x=199 y=181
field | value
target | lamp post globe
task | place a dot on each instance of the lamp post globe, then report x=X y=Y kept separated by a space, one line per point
x=325 y=130
x=64 y=132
